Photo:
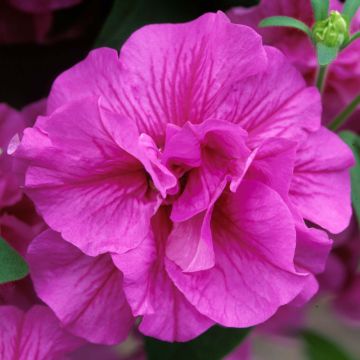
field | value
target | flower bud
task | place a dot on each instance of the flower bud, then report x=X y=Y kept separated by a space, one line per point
x=333 y=31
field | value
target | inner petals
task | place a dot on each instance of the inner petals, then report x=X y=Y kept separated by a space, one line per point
x=207 y=154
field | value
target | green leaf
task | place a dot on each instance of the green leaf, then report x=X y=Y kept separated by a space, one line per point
x=320 y=9
x=12 y=265
x=353 y=38
x=326 y=54
x=350 y=8
x=321 y=348
x=127 y=16
x=286 y=22
x=353 y=141
x=214 y=344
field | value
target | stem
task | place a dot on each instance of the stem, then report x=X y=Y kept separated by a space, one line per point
x=321 y=76
x=344 y=115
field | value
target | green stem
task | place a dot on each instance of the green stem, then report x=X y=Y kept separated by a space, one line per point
x=344 y=115
x=321 y=77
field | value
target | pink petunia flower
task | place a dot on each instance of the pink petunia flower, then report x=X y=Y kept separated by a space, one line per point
x=181 y=159
x=35 y=334
x=343 y=81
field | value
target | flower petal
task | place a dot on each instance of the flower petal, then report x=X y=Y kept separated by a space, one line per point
x=292 y=111
x=84 y=292
x=168 y=73
x=215 y=152
x=85 y=181
x=35 y=334
x=254 y=272
x=320 y=187
x=166 y=314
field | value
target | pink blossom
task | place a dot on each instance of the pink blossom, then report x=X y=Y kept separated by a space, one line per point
x=181 y=159
x=19 y=222
x=343 y=81
x=35 y=334
x=341 y=278
x=28 y=20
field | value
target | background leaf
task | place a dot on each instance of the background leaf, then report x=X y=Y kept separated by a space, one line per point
x=353 y=141
x=321 y=348
x=12 y=265
x=214 y=344
x=127 y=16
x=286 y=22
x=320 y=8
x=350 y=8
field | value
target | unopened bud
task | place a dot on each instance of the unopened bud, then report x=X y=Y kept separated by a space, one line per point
x=333 y=31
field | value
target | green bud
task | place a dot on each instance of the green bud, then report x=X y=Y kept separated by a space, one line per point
x=333 y=31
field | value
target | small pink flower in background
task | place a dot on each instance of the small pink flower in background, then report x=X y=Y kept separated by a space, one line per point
x=11 y=123
x=19 y=223
x=23 y=21
x=343 y=81
x=35 y=334
x=179 y=160
x=42 y=6
x=341 y=278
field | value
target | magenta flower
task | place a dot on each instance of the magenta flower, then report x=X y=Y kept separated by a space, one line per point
x=181 y=159
x=343 y=81
x=35 y=334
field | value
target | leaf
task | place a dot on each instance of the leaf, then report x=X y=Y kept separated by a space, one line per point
x=353 y=141
x=12 y=265
x=353 y=38
x=286 y=22
x=214 y=344
x=127 y=16
x=320 y=9
x=321 y=348
x=350 y=8
x=326 y=54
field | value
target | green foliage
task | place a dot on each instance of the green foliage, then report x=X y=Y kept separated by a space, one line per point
x=12 y=265
x=350 y=8
x=321 y=348
x=287 y=22
x=353 y=141
x=354 y=37
x=214 y=344
x=127 y=16
x=320 y=9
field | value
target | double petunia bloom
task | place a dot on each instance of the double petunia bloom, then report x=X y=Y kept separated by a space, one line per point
x=176 y=178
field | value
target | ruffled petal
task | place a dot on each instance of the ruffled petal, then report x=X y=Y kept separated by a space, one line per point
x=254 y=272
x=168 y=73
x=292 y=111
x=36 y=334
x=84 y=292
x=88 y=179
x=320 y=188
x=166 y=314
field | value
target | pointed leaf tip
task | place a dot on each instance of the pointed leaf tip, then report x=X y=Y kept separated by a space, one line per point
x=285 y=21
